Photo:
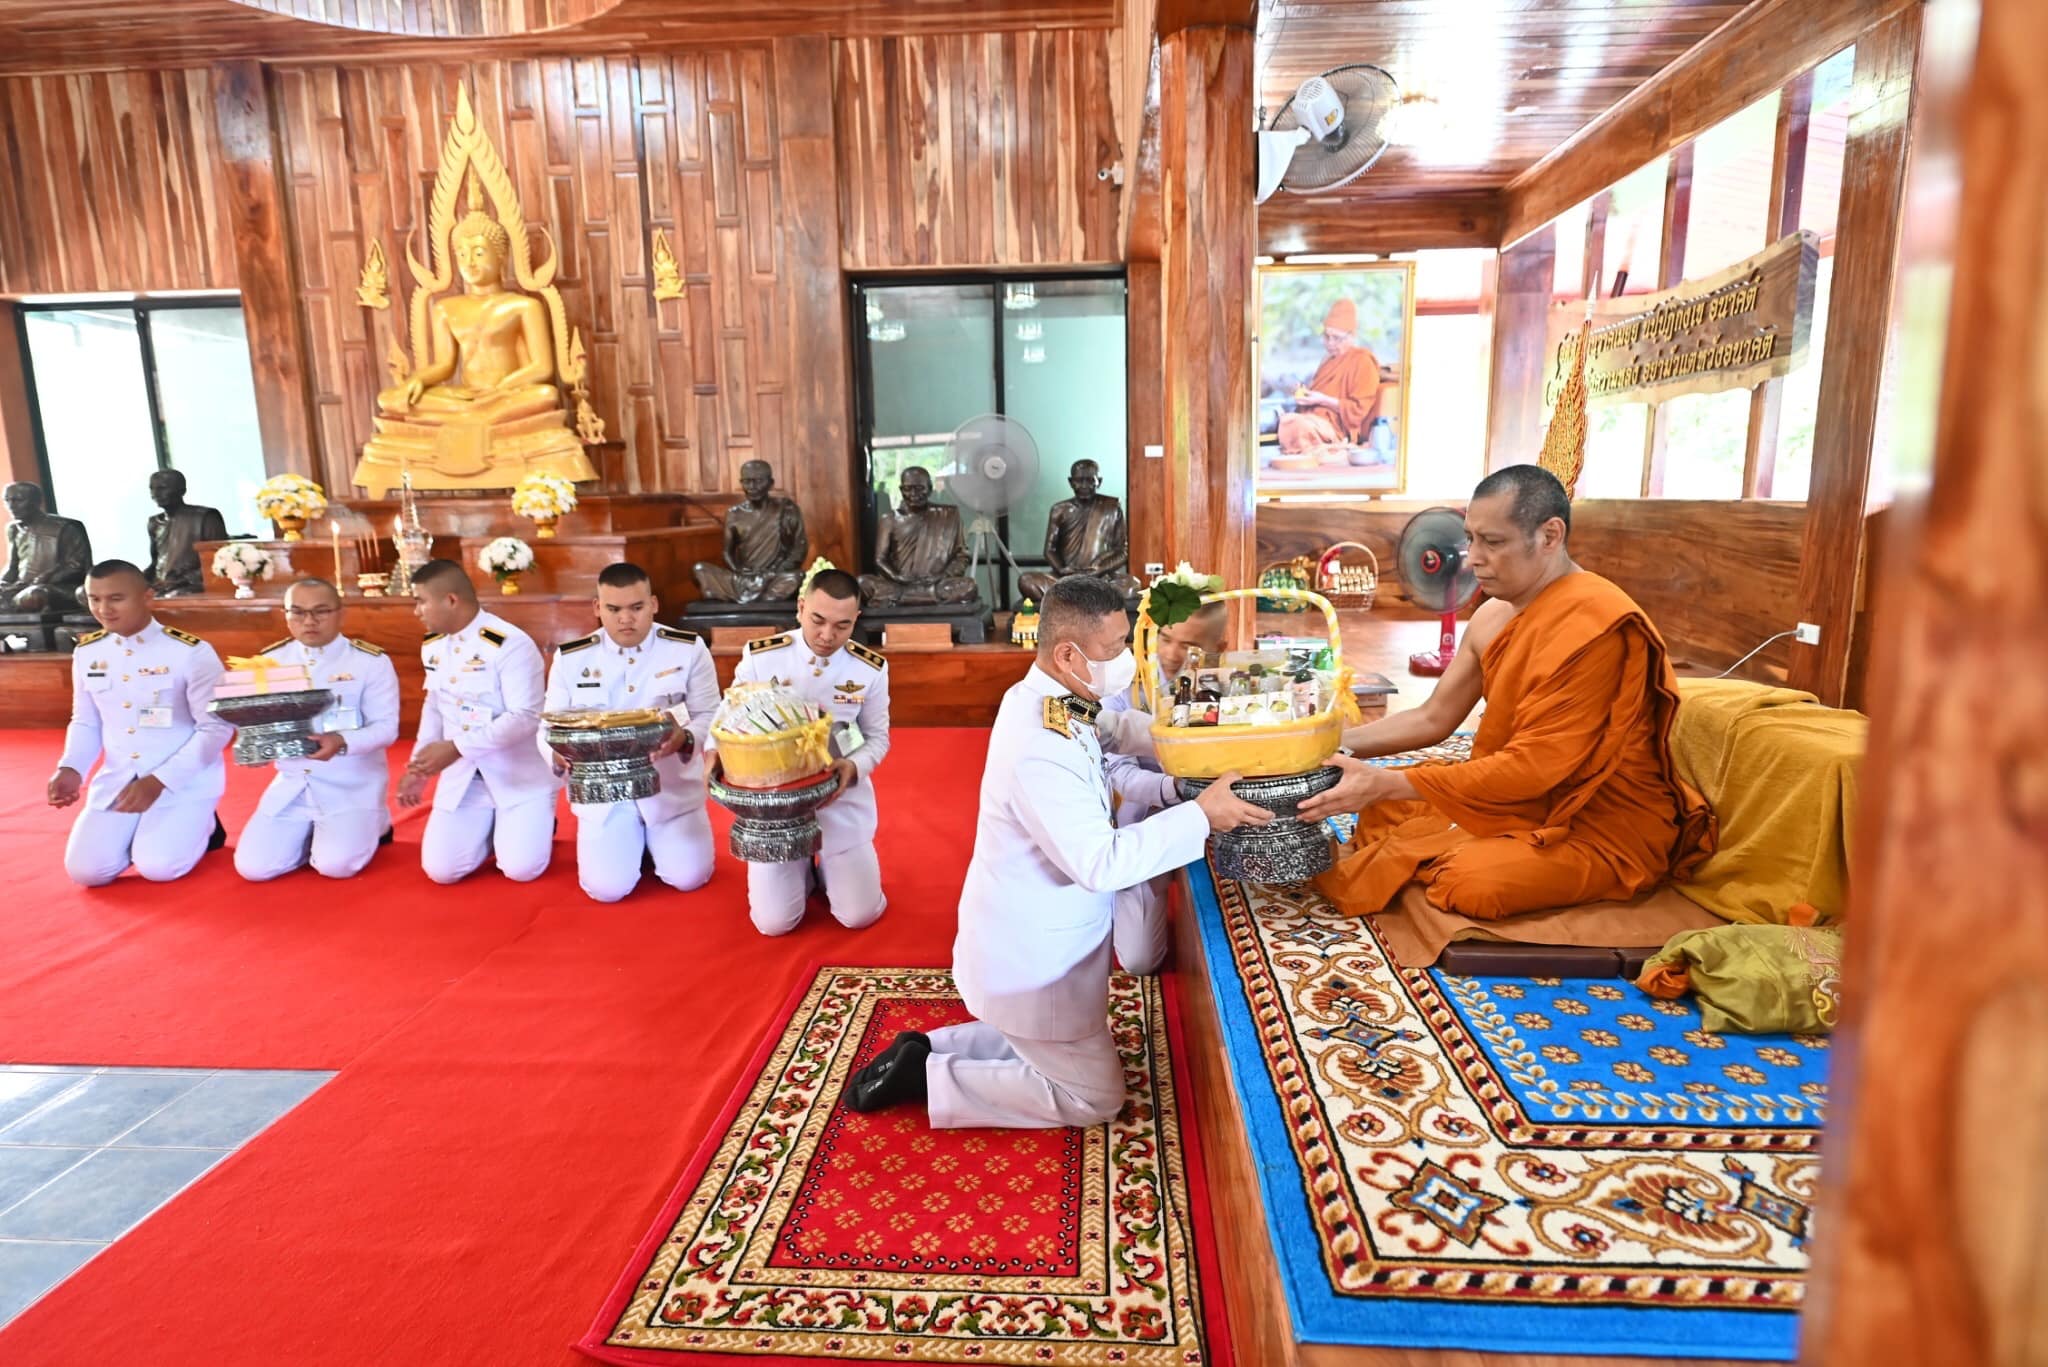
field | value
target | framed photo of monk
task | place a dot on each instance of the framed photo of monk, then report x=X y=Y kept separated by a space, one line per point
x=1333 y=353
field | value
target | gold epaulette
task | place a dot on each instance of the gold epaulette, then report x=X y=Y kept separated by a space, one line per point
x=867 y=655
x=580 y=643
x=179 y=634
x=91 y=636
x=366 y=647
x=275 y=645
x=432 y=637
x=1056 y=718
x=767 y=643
x=677 y=634
x=493 y=635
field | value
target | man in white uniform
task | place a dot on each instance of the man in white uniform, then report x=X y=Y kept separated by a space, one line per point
x=633 y=663
x=822 y=661
x=1032 y=956
x=477 y=726
x=327 y=809
x=139 y=692
x=1143 y=930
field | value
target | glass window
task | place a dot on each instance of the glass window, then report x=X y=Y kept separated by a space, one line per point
x=1569 y=279
x=1063 y=378
x=1820 y=197
x=1732 y=168
x=208 y=399
x=1615 y=435
x=1799 y=400
x=1635 y=230
x=1447 y=407
x=98 y=439
x=1706 y=437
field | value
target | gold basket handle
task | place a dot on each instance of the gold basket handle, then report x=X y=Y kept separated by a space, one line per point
x=1148 y=634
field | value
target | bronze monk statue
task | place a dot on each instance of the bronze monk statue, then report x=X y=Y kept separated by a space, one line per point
x=47 y=555
x=920 y=555
x=175 y=534
x=1085 y=535
x=765 y=545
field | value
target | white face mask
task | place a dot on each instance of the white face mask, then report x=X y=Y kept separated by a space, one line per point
x=1112 y=677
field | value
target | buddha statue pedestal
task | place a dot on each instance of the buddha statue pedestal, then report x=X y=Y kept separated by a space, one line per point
x=471 y=455
x=969 y=621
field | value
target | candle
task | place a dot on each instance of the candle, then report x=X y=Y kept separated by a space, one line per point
x=334 y=536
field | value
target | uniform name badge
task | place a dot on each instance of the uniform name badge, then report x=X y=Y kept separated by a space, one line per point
x=157 y=717
x=473 y=714
x=680 y=714
x=340 y=719
x=850 y=739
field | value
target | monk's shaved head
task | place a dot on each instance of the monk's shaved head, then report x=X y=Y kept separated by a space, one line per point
x=1535 y=496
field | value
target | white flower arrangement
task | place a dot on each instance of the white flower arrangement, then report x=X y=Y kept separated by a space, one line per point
x=284 y=496
x=241 y=560
x=504 y=557
x=1190 y=577
x=543 y=495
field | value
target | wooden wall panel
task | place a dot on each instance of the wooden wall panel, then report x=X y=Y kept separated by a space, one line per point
x=978 y=150
x=1521 y=329
x=112 y=183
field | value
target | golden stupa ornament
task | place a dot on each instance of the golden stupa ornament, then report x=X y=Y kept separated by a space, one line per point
x=481 y=404
x=1564 y=445
x=376 y=279
x=668 y=272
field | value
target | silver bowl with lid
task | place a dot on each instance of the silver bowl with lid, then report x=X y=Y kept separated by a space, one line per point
x=1285 y=850
x=774 y=825
x=273 y=726
x=610 y=753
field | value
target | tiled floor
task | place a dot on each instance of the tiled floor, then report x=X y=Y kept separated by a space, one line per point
x=86 y=1154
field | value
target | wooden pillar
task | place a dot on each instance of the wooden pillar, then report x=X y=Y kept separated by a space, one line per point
x=265 y=267
x=1206 y=298
x=18 y=457
x=820 y=390
x=1929 y=1239
x=1146 y=476
x=1852 y=370
x=1521 y=323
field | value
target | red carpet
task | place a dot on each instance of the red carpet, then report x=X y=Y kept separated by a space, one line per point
x=524 y=1074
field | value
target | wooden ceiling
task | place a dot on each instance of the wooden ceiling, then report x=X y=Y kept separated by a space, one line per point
x=1513 y=79
x=61 y=35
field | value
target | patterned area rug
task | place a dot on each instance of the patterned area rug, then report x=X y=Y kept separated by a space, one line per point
x=804 y=1229
x=1509 y=1164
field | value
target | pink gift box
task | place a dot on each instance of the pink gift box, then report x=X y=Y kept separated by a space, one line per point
x=246 y=683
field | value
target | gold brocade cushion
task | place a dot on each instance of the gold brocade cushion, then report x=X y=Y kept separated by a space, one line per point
x=1754 y=979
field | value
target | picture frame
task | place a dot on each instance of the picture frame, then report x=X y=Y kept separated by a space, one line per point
x=1333 y=439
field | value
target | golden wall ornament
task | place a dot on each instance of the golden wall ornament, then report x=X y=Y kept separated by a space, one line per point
x=1564 y=445
x=370 y=290
x=481 y=404
x=668 y=272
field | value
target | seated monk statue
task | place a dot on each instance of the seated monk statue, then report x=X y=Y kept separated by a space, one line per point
x=1339 y=403
x=1085 y=535
x=485 y=411
x=765 y=544
x=47 y=555
x=920 y=556
x=174 y=536
x=1570 y=795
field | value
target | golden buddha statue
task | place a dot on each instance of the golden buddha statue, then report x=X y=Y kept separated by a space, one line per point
x=479 y=407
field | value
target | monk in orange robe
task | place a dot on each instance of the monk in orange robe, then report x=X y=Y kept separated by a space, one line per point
x=1570 y=795
x=1341 y=401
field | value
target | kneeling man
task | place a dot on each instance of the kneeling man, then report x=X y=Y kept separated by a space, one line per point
x=630 y=663
x=477 y=727
x=328 y=808
x=139 y=691
x=1032 y=955
x=1570 y=795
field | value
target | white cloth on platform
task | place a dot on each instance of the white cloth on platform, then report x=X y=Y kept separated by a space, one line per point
x=484 y=692
x=1031 y=958
x=138 y=703
x=851 y=685
x=330 y=812
x=670 y=669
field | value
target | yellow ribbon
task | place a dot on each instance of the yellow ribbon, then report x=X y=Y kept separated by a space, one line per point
x=259 y=665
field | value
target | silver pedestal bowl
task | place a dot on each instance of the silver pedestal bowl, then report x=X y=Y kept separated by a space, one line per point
x=1285 y=850
x=774 y=825
x=610 y=754
x=272 y=726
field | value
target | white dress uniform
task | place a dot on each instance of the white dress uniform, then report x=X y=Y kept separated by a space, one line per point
x=668 y=669
x=1142 y=929
x=852 y=684
x=1032 y=955
x=484 y=691
x=141 y=701
x=329 y=812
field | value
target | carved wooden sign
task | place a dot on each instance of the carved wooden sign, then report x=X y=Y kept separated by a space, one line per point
x=1732 y=330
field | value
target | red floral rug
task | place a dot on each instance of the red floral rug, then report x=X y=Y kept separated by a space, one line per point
x=803 y=1229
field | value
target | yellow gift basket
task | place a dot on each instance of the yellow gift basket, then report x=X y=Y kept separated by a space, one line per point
x=797 y=749
x=1258 y=750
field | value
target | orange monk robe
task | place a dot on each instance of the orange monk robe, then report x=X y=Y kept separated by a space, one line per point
x=1352 y=377
x=1570 y=795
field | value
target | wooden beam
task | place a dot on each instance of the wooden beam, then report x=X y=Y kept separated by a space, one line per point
x=1670 y=271
x=1753 y=54
x=1363 y=222
x=1521 y=337
x=265 y=264
x=1941 y=1057
x=1145 y=481
x=1788 y=186
x=1852 y=367
x=1176 y=15
x=1206 y=299
x=1135 y=64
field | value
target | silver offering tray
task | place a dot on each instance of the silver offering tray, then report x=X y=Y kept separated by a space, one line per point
x=272 y=726
x=1287 y=849
x=610 y=754
x=774 y=825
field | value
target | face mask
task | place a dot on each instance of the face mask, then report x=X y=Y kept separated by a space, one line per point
x=1112 y=678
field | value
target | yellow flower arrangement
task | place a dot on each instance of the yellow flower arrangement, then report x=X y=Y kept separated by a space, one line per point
x=543 y=495
x=291 y=501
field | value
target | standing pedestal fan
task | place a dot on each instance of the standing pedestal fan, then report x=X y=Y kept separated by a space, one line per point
x=991 y=463
x=1434 y=569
